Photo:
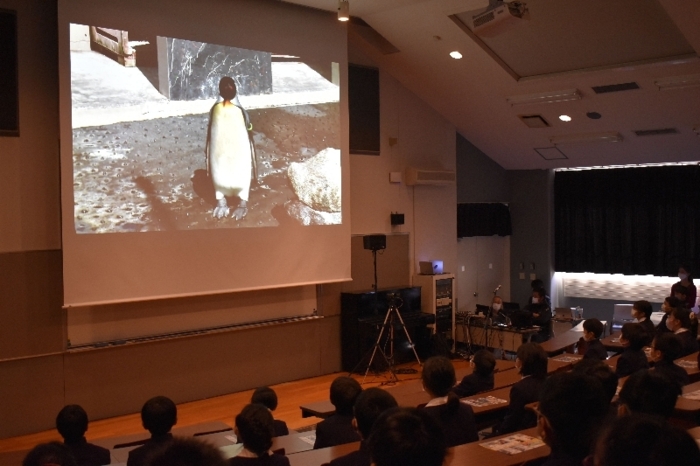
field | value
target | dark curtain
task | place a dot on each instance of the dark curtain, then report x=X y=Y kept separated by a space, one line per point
x=630 y=220
x=483 y=220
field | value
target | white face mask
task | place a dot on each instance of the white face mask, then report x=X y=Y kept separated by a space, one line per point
x=535 y=300
x=683 y=276
x=496 y=306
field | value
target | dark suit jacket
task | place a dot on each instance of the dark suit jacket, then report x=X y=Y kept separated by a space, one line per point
x=661 y=328
x=630 y=362
x=360 y=457
x=472 y=384
x=518 y=417
x=335 y=430
x=271 y=460
x=673 y=372
x=544 y=321
x=648 y=325
x=596 y=350
x=689 y=342
x=87 y=454
x=138 y=456
x=280 y=428
x=459 y=425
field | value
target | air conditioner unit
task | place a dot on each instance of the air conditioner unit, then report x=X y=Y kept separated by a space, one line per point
x=416 y=176
x=499 y=17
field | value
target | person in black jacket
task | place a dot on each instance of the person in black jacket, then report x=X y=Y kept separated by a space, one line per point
x=72 y=423
x=481 y=379
x=648 y=392
x=633 y=358
x=185 y=451
x=158 y=416
x=541 y=314
x=52 y=453
x=678 y=322
x=268 y=398
x=592 y=330
x=456 y=418
x=669 y=303
x=641 y=310
x=665 y=349
x=337 y=429
x=254 y=427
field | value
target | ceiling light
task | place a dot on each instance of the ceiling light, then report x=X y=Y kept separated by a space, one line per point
x=343 y=10
x=609 y=136
x=545 y=97
x=678 y=82
x=456 y=55
x=566 y=118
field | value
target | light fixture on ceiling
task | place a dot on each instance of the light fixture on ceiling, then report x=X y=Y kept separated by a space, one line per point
x=608 y=136
x=545 y=97
x=456 y=55
x=343 y=10
x=565 y=118
x=678 y=82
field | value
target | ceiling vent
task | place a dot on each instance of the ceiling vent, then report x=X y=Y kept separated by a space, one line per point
x=656 y=132
x=534 y=121
x=416 y=176
x=615 y=88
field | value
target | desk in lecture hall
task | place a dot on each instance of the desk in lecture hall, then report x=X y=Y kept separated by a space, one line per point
x=322 y=455
x=507 y=338
x=612 y=342
x=560 y=343
x=693 y=372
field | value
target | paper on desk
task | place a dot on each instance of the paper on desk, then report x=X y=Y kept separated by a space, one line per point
x=566 y=358
x=229 y=451
x=310 y=439
x=513 y=444
x=484 y=401
x=693 y=395
x=688 y=364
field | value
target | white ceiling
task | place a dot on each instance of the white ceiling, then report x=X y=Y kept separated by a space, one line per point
x=471 y=92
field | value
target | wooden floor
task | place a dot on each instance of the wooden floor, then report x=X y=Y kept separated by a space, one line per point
x=222 y=408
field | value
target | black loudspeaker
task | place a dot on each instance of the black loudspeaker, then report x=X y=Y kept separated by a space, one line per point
x=397 y=219
x=374 y=242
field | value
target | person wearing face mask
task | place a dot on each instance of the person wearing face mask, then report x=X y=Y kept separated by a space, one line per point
x=669 y=303
x=541 y=315
x=678 y=322
x=497 y=315
x=686 y=280
x=538 y=284
x=641 y=310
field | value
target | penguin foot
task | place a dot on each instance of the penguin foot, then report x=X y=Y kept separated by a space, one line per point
x=221 y=210
x=240 y=212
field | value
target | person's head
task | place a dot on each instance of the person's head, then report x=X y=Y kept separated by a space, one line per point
x=641 y=310
x=538 y=295
x=531 y=360
x=648 y=392
x=184 y=451
x=72 y=423
x=438 y=376
x=484 y=362
x=601 y=371
x=370 y=404
x=537 y=284
x=344 y=391
x=685 y=273
x=497 y=303
x=669 y=303
x=640 y=440
x=266 y=397
x=633 y=336
x=159 y=415
x=678 y=318
x=255 y=428
x=680 y=292
x=666 y=347
x=407 y=437
x=227 y=88
x=52 y=453
x=572 y=406
x=592 y=329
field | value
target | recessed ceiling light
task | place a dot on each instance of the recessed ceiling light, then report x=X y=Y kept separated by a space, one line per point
x=456 y=55
x=564 y=117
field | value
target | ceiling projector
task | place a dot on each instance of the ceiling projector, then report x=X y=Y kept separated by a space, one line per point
x=498 y=17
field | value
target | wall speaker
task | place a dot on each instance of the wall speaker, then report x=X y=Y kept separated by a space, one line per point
x=374 y=242
x=397 y=219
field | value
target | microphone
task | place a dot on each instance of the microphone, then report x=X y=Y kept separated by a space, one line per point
x=497 y=288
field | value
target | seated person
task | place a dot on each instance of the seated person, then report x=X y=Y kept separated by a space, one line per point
x=370 y=404
x=678 y=322
x=254 y=428
x=648 y=392
x=456 y=419
x=641 y=310
x=158 y=416
x=669 y=303
x=680 y=292
x=640 y=440
x=602 y=372
x=72 y=423
x=633 y=339
x=531 y=363
x=337 y=429
x=268 y=398
x=572 y=408
x=665 y=349
x=481 y=379
x=497 y=314
x=541 y=315
x=52 y=453
x=592 y=330
x=407 y=437
x=188 y=452
x=538 y=284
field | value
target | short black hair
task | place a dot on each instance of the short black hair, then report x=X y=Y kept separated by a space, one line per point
x=370 y=404
x=574 y=404
x=72 y=423
x=255 y=428
x=438 y=375
x=673 y=301
x=648 y=392
x=637 y=336
x=184 y=451
x=537 y=284
x=344 y=391
x=682 y=315
x=49 y=453
x=533 y=359
x=601 y=371
x=644 y=307
x=159 y=415
x=669 y=345
x=594 y=325
x=484 y=362
x=266 y=397
x=680 y=289
x=640 y=440
x=407 y=437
